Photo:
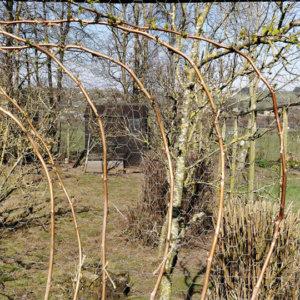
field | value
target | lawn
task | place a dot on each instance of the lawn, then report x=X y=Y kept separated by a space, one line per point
x=25 y=245
x=25 y=242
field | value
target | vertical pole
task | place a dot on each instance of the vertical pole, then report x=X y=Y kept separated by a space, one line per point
x=224 y=130
x=285 y=138
x=87 y=154
x=68 y=137
x=252 y=129
x=233 y=162
x=285 y=128
x=223 y=138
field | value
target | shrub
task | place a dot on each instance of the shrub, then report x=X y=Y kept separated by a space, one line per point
x=263 y=163
x=146 y=219
x=293 y=164
x=245 y=238
x=276 y=167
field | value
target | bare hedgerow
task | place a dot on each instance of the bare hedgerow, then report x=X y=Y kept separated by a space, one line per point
x=145 y=221
x=245 y=239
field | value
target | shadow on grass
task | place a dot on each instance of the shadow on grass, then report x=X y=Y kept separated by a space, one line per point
x=192 y=282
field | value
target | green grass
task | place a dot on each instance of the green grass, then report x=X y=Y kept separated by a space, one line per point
x=41 y=278
x=124 y=191
x=266 y=185
x=77 y=137
x=268 y=145
x=292 y=192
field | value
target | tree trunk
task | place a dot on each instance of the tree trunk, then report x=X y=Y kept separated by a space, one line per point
x=17 y=54
x=137 y=54
x=166 y=285
x=233 y=161
x=8 y=58
x=182 y=145
x=64 y=30
x=285 y=138
x=223 y=138
x=5 y=138
x=48 y=63
x=252 y=130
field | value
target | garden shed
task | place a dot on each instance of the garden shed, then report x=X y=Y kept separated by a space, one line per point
x=126 y=132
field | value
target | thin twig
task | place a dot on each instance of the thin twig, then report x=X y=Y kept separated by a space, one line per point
x=119 y=211
x=112 y=282
x=52 y=208
x=231 y=49
x=105 y=208
x=219 y=136
x=157 y=116
x=59 y=179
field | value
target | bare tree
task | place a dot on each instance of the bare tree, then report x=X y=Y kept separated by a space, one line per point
x=192 y=124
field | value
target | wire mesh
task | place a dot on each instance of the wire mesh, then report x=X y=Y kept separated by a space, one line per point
x=166 y=131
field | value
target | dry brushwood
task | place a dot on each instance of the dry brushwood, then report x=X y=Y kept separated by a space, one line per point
x=217 y=128
x=91 y=284
x=244 y=242
x=104 y=277
x=14 y=103
x=103 y=242
x=52 y=208
x=145 y=221
x=142 y=31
